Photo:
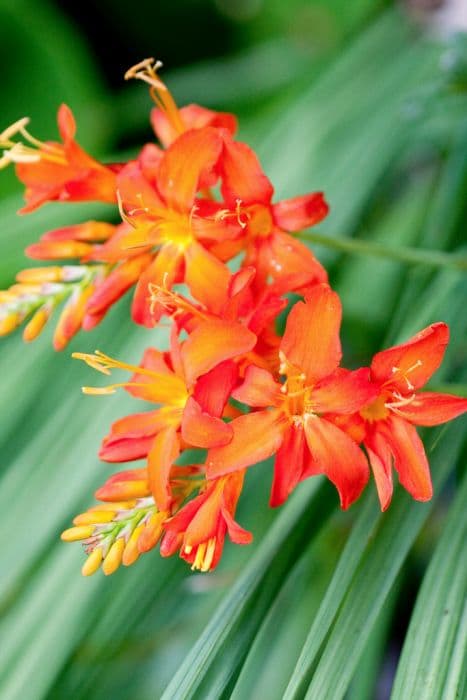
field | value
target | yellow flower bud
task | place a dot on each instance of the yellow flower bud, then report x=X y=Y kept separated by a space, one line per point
x=114 y=557
x=73 y=534
x=92 y=563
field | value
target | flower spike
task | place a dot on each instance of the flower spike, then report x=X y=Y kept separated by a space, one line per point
x=196 y=209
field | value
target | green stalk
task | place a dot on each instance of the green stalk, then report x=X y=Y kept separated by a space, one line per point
x=409 y=256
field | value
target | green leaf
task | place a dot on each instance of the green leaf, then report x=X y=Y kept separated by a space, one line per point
x=252 y=593
x=431 y=665
x=383 y=559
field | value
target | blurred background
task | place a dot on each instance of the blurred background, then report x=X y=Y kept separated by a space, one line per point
x=366 y=100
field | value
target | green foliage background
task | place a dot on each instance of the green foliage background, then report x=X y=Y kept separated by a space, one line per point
x=350 y=97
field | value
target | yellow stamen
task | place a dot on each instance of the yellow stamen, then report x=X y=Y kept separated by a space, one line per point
x=103 y=363
x=15 y=128
x=21 y=154
x=172 y=301
x=199 y=558
x=209 y=556
x=92 y=563
x=146 y=71
x=114 y=557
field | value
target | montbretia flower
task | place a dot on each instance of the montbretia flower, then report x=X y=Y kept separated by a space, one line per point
x=172 y=225
x=198 y=530
x=237 y=303
x=192 y=384
x=266 y=226
x=386 y=425
x=293 y=422
x=56 y=171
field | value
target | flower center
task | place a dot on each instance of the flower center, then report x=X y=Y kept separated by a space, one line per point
x=376 y=410
x=260 y=221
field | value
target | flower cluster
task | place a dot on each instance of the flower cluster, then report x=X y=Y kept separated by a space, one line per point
x=229 y=387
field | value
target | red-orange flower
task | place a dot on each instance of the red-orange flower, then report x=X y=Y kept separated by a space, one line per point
x=386 y=426
x=171 y=225
x=238 y=302
x=200 y=527
x=269 y=248
x=192 y=382
x=57 y=171
x=293 y=422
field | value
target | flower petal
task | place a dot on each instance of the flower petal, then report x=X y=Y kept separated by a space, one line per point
x=410 y=365
x=189 y=159
x=199 y=429
x=256 y=436
x=125 y=449
x=344 y=392
x=117 y=283
x=300 y=212
x=410 y=460
x=338 y=457
x=379 y=454
x=288 y=466
x=430 y=408
x=164 y=451
x=163 y=271
x=135 y=426
x=213 y=389
x=207 y=277
x=259 y=388
x=66 y=123
x=193 y=117
x=237 y=534
x=242 y=176
x=293 y=263
x=213 y=342
x=136 y=193
x=311 y=340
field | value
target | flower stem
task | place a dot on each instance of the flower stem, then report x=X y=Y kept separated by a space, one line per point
x=409 y=256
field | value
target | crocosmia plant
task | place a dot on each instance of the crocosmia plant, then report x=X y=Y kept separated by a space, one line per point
x=205 y=247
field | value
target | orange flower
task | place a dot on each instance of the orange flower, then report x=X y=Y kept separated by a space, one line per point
x=387 y=424
x=238 y=302
x=169 y=218
x=192 y=382
x=53 y=171
x=199 y=528
x=275 y=254
x=293 y=423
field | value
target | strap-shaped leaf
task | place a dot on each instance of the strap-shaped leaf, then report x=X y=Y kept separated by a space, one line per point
x=363 y=593
x=431 y=665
